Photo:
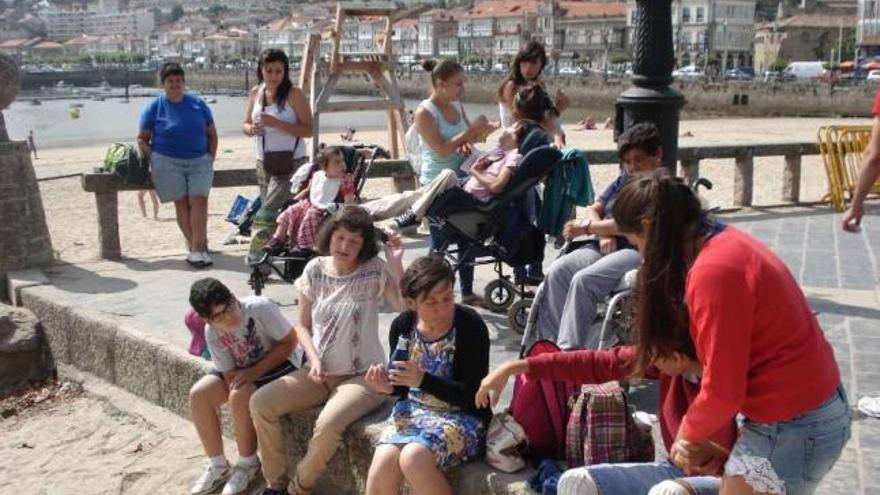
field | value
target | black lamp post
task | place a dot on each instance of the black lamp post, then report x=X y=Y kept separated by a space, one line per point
x=651 y=98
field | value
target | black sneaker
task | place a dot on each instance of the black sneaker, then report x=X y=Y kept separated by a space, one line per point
x=404 y=220
x=272 y=491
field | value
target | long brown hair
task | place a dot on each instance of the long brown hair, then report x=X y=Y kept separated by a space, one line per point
x=664 y=210
x=533 y=51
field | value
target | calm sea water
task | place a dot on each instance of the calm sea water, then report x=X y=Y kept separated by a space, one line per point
x=111 y=120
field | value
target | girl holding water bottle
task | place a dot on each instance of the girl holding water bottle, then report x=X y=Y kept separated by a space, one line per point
x=440 y=353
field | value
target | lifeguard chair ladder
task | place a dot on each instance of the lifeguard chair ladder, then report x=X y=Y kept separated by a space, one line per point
x=318 y=77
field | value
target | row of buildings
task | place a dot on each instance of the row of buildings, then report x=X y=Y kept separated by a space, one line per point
x=489 y=32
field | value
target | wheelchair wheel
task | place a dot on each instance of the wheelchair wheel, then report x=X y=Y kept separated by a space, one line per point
x=257 y=280
x=499 y=294
x=518 y=315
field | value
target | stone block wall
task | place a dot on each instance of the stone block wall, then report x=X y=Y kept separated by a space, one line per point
x=24 y=236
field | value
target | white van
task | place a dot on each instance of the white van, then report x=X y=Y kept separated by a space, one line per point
x=805 y=70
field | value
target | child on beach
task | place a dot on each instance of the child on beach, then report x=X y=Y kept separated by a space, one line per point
x=142 y=202
x=435 y=422
x=340 y=293
x=251 y=344
x=328 y=186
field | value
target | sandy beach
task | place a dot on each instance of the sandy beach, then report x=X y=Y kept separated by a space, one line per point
x=72 y=216
x=84 y=436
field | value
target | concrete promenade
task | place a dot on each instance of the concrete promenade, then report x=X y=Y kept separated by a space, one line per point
x=839 y=273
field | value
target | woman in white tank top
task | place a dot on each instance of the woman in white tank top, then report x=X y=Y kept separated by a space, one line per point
x=279 y=118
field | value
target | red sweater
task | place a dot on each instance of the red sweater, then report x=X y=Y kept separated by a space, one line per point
x=587 y=366
x=762 y=350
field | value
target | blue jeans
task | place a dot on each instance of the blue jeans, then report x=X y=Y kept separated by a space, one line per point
x=800 y=451
x=633 y=479
x=465 y=267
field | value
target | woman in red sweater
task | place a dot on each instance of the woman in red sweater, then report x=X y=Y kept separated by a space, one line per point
x=679 y=377
x=762 y=351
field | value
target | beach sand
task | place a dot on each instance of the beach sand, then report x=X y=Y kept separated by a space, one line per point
x=88 y=437
x=72 y=216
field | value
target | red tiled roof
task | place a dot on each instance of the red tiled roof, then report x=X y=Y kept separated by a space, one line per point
x=589 y=9
x=14 y=43
x=406 y=23
x=502 y=8
x=81 y=40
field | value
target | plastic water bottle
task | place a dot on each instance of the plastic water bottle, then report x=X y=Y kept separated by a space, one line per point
x=401 y=353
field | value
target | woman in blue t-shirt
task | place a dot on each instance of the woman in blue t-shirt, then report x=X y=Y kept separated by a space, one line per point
x=177 y=134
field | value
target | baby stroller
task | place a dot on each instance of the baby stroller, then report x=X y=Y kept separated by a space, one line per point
x=483 y=229
x=289 y=264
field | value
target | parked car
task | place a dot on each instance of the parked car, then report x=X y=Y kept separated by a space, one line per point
x=830 y=76
x=873 y=76
x=688 y=72
x=778 y=76
x=805 y=70
x=569 y=71
x=739 y=74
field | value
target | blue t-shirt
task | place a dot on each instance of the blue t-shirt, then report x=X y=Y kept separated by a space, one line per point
x=608 y=197
x=180 y=130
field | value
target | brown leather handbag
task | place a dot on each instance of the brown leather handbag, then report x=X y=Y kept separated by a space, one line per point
x=277 y=163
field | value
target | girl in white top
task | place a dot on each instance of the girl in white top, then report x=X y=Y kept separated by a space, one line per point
x=340 y=294
x=279 y=118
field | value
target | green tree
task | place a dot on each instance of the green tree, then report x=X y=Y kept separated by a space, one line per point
x=779 y=64
x=618 y=58
x=176 y=12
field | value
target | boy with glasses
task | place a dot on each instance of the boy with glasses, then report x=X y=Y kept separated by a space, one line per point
x=251 y=344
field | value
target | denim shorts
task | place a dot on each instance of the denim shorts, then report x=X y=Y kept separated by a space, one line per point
x=792 y=456
x=177 y=178
x=634 y=479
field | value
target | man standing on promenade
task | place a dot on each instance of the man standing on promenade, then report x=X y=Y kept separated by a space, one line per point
x=852 y=217
x=32 y=147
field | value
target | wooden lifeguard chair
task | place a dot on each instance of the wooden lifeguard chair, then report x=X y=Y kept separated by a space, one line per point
x=318 y=77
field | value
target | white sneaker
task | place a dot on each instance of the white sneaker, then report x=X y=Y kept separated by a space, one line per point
x=211 y=478
x=206 y=260
x=870 y=406
x=242 y=475
x=194 y=259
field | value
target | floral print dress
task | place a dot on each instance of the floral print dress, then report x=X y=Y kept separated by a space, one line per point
x=453 y=435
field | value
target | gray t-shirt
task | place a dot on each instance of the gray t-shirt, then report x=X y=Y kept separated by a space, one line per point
x=262 y=326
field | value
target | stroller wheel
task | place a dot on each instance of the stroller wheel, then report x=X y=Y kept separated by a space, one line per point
x=499 y=294
x=257 y=279
x=518 y=315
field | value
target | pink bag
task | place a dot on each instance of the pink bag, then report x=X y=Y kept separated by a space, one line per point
x=196 y=326
x=541 y=408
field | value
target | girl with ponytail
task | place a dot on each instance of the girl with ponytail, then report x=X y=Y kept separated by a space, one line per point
x=753 y=333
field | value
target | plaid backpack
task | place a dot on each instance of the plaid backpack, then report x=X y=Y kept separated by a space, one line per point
x=601 y=429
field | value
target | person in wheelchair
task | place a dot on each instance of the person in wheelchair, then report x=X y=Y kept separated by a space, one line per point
x=299 y=222
x=565 y=304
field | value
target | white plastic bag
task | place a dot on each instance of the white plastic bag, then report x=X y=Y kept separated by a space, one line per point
x=506 y=442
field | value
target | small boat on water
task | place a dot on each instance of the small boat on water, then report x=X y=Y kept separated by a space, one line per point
x=36 y=102
x=76 y=105
x=211 y=100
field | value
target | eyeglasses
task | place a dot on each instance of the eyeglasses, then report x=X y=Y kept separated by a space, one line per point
x=224 y=313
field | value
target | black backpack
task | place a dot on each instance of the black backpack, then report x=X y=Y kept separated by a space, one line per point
x=126 y=162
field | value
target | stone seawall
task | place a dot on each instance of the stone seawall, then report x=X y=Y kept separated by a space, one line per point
x=590 y=94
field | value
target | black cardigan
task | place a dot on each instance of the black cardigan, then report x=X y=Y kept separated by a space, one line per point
x=470 y=364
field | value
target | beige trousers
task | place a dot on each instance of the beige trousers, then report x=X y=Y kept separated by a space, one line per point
x=418 y=201
x=346 y=399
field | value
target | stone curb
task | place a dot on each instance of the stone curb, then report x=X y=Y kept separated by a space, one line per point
x=163 y=375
